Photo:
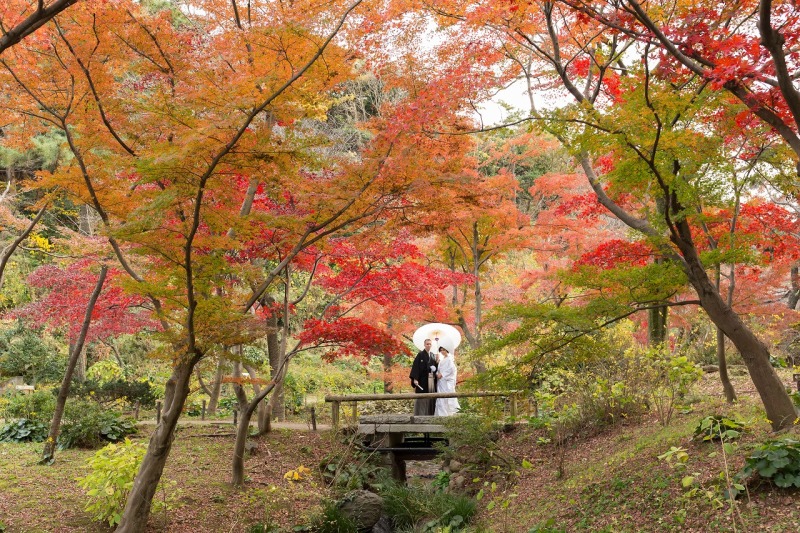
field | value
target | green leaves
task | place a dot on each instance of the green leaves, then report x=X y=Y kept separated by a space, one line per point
x=777 y=460
x=23 y=430
x=107 y=485
x=721 y=428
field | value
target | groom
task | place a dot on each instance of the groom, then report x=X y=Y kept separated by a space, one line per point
x=424 y=367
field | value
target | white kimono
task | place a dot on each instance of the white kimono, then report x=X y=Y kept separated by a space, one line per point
x=447 y=383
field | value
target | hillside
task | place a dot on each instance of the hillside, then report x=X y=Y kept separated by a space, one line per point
x=614 y=481
x=611 y=480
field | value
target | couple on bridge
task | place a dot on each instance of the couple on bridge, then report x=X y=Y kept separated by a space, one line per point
x=435 y=372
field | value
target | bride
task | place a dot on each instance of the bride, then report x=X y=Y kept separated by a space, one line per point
x=447 y=383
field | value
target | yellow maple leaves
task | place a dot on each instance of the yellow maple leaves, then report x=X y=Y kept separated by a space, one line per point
x=301 y=473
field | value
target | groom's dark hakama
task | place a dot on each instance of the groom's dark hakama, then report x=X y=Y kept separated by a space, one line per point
x=421 y=371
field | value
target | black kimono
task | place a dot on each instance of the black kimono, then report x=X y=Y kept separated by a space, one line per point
x=421 y=371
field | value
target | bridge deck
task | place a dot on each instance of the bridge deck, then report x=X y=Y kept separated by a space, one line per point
x=376 y=424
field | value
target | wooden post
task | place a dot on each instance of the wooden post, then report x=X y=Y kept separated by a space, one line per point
x=203 y=411
x=398 y=464
x=236 y=417
x=313 y=419
x=513 y=406
x=355 y=413
x=136 y=411
x=335 y=415
x=158 y=412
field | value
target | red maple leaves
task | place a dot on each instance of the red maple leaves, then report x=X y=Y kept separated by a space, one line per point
x=67 y=291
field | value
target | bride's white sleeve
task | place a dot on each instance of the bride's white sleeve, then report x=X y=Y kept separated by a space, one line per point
x=449 y=370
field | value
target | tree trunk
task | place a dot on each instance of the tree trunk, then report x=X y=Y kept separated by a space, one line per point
x=476 y=271
x=387 y=367
x=216 y=387
x=794 y=293
x=277 y=405
x=84 y=220
x=242 y=430
x=727 y=387
x=263 y=411
x=722 y=362
x=80 y=363
x=264 y=425
x=55 y=424
x=140 y=498
x=657 y=325
x=277 y=408
x=777 y=403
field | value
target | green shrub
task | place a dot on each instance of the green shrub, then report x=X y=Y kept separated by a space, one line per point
x=26 y=352
x=625 y=386
x=23 y=430
x=778 y=461
x=460 y=510
x=795 y=398
x=110 y=480
x=333 y=520
x=441 y=481
x=104 y=371
x=471 y=436
x=107 y=392
x=227 y=403
x=88 y=425
x=672 y=377
x=406 y=506
x=718 y=427
x=37 y=406
x=352 y=471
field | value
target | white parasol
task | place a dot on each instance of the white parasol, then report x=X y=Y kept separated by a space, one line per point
x=440 y=334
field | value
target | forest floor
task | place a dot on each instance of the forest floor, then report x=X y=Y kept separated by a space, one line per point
x=612 y=479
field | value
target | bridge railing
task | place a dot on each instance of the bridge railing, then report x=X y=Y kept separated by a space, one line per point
x=337 y=400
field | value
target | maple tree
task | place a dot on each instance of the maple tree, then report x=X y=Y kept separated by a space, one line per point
x=629 y=128
x=342 y=307
x=20 y=18
x=210 y=182
x=68 y=291
x=745 y=48
x=181 y=206
x=48 y=452
x=87 y=307
x=481 y=223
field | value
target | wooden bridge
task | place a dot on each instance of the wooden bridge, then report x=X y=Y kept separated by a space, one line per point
x=405 y=437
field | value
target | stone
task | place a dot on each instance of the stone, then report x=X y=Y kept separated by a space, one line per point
x=708 y=369
x=456 y=466
x=370 y=429
x=409 y=428
x=383 y=525
x=363 y=507
x=385 y=419
x=456 y=482
x=11 y=384
x=428 y=419
x=250 y=447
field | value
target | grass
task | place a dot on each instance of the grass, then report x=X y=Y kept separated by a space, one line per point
x=615 y=482
x=202 y=499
